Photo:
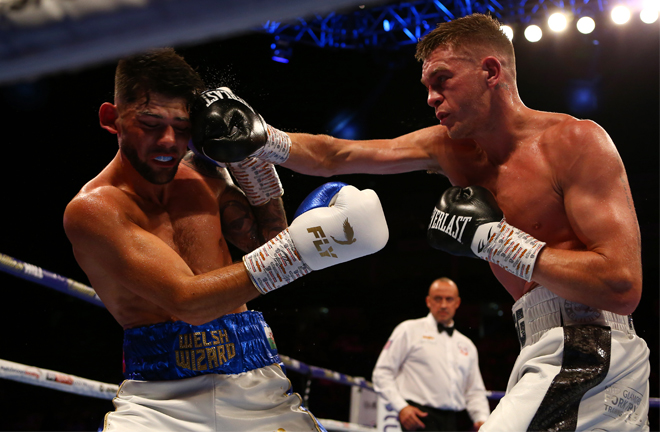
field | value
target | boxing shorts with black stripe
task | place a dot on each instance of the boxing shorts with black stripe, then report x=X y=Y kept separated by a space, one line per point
x=225 y=375
x=579 y=369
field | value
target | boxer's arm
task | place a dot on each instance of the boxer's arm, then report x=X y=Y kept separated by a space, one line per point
x=112 y=244
x=271 y=218
x=226 y=129
x=248 y=227
x=323 y=155
x=245 y=226
x=598 y=202
x=102 y=234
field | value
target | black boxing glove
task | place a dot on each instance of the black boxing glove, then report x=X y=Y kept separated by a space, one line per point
x=468 y=222
x=226 y=129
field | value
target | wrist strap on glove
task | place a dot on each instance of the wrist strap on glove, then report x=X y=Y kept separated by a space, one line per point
x=507 y=246
x=275 y=264
x=258 y=179
x=277 y=147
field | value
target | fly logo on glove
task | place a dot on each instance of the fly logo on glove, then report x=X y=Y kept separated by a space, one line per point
x=322 y=239
x=349 y=235
x=323 y=215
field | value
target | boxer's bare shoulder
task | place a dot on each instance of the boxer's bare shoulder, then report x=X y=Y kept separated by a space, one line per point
x=569 y=137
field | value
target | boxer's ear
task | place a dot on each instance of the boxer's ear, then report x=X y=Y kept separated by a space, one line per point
x=493 y=69
x=108 y=115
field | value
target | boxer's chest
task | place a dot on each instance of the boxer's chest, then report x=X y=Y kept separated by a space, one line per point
x=190 y=225
x=528 y=192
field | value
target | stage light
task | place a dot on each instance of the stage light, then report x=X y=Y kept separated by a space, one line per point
x=533 y=33
x=557 y=22
x=282 y=51
x=620 y=15
x=582 y=97
x=508 y=31
x=343 y=125
x=648 y=15
x=386 y=25
x=586 y=25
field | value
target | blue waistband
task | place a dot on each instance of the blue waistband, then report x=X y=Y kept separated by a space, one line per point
x=231 y=344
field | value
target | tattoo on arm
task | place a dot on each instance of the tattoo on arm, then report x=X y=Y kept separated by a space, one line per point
x=271 y=218
x=239 y=225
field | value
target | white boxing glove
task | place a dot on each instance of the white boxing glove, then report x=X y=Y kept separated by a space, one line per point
x=337 y=223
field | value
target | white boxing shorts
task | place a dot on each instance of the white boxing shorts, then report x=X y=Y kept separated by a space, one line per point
x=224 y=375
x=579 y=369
x=257 y=400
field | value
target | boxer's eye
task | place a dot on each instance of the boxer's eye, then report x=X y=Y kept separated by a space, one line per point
x=149 y=125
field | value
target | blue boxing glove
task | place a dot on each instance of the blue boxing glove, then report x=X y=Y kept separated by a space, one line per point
x=336 y=223
x=322 y=196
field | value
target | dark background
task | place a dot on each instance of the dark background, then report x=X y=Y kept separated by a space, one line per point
x=338 y=318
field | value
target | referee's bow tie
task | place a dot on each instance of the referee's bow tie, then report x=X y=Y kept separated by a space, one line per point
x=449 y=330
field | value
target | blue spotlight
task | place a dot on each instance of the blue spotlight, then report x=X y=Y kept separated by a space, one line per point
x=282 y=51
x=342 y=126
x=386 y=25
x=582 y=97
x=348 y=132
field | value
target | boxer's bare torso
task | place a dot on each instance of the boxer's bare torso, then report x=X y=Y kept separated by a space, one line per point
x=529 y=182
x=555 y=177
x=151 y=248
x=188 y=221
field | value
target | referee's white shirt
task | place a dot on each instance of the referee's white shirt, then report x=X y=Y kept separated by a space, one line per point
x=434 y=369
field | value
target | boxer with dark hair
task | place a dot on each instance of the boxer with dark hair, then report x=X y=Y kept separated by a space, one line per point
x=544 y=198
x=152 y=234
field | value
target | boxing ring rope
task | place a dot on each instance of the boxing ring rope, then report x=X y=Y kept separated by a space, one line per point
x=85 y=387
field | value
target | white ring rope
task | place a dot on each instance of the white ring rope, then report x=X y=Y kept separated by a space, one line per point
x=85 y=387
x=56 y=380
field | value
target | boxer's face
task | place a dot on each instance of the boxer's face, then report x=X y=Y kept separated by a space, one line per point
x=456 y=89
x=442 y=301
x=154 y=136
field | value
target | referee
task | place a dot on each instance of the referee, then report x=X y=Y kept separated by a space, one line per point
x=429 y=372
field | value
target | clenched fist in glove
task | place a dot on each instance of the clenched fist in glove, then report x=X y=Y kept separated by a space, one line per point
x=336 y=223
x=226 y=130
x=468 y=222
